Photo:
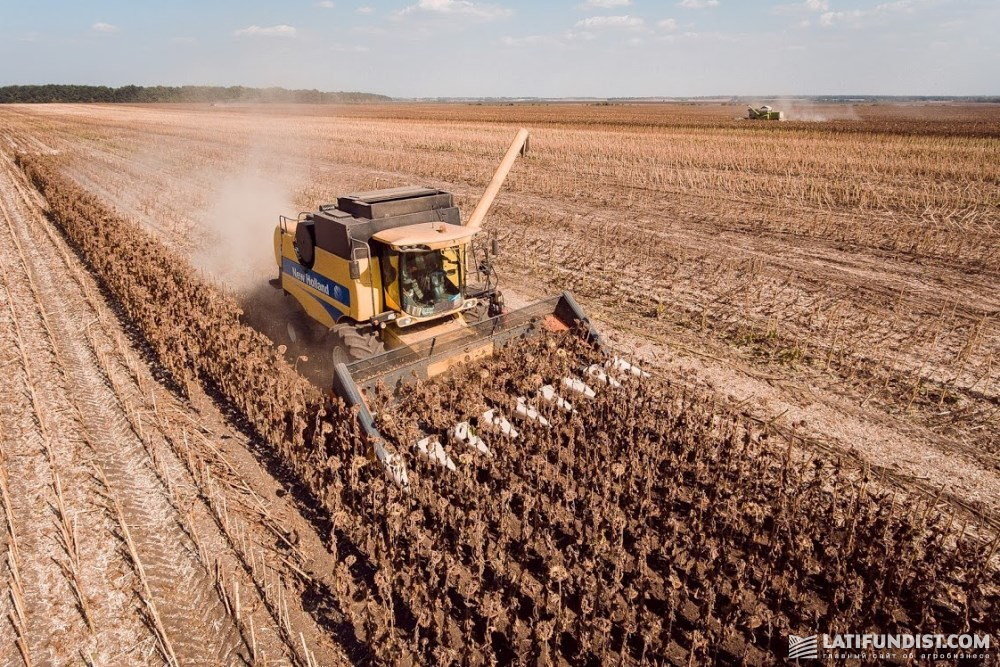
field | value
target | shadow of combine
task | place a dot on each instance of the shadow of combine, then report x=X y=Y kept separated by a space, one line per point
x=279 y=317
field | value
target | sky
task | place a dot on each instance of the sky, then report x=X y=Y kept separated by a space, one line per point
x=513 y=48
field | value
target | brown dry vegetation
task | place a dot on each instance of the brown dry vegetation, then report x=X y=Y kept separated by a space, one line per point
x=135 y=527
x=681 y=548
x=840 y=274
x=845 y=269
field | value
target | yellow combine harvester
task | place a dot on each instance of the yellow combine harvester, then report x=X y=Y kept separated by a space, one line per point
x=404 y=289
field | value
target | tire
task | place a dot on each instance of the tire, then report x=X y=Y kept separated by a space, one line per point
x=351 y=343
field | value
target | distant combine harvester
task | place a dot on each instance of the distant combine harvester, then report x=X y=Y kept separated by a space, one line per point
x=764 y=113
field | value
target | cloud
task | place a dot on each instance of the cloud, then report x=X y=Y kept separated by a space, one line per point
x=859 y=17
x=831 y=18
x=667 y=24
x=528 y=40
x=104 y=27
x=603 y=4
x=365 y=10
x=625 y=21
x=802 y=7
x=698 y=4
x=474 y=10
x=271 y=31
x=709 y=37
x=325 y=4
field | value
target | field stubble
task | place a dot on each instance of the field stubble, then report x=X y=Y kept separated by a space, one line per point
x=125 y=531
x=780 y=294
x=851 y=260
x=679 y=548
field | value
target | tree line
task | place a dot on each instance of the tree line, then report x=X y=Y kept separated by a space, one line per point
x=138 y=94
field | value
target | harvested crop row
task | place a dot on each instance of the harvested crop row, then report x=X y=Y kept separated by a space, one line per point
x=647 y=526
x=76 y=423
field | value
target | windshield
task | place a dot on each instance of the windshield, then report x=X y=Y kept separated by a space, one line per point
x=430 y=281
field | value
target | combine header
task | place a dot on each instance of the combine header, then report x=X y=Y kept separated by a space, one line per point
x=405 y=291
x=764 y=113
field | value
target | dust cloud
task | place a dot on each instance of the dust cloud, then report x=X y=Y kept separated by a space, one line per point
x=804 y=110
x=238 y=228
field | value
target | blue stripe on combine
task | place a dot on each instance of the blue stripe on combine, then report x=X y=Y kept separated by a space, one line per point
x=334 y=312
x=322 y=284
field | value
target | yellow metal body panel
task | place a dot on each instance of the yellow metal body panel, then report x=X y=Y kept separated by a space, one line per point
x=277 y=242
x=396 y=337
x=410 y=336
x=463 y=357
x=326 y=291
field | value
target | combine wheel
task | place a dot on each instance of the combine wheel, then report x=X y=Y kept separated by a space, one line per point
x=352 y=343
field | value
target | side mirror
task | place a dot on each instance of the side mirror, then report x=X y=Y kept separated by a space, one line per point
x=355 y=268
x=494 y=247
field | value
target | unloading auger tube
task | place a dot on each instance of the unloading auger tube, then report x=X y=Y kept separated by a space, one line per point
x=517 y=147
x=406 y=365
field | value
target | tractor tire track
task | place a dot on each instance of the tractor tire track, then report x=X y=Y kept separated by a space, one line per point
x=194 y=617
x=260 y=581
x=46 y=443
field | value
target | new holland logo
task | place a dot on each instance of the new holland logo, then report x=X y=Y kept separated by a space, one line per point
x=802 y=647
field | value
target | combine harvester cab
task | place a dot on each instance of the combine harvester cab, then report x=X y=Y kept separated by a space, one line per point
x=387 y=274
